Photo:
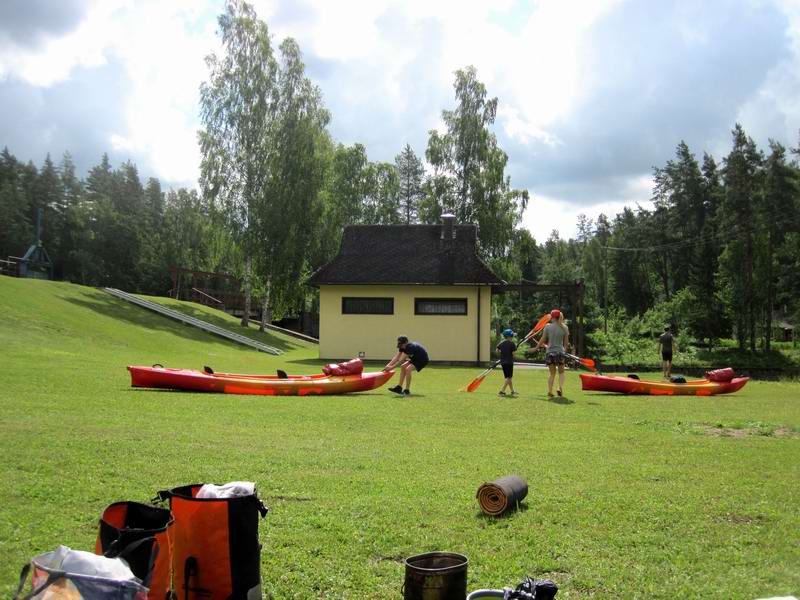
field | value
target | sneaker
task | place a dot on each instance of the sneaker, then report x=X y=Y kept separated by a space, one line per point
x=501 y=393
x=407 y=392
x=514 y=394
x=396 y=389
x=559 y=392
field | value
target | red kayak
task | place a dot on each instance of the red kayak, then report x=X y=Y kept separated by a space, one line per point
x=269 y=385
x=628 y=385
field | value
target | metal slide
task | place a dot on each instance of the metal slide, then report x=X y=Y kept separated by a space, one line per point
x=205 y=326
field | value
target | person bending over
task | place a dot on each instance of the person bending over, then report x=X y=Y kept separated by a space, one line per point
x=411 y=357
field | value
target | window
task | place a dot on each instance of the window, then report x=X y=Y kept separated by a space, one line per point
x=440 y=306
x=367 y=306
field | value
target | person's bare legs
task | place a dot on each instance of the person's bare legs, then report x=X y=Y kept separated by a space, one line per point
x=408 y=369
x=561 y=377
x=550 y=379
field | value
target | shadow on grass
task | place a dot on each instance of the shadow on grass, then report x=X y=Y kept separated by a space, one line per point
x=559 y=400
x=109 y=306
x=482 y=516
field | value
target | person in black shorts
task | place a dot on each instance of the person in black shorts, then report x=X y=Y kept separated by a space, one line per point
x=667 y=344
x=506 y=348
x=413 y=358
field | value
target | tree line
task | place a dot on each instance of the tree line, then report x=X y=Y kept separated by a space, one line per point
x=716 y=256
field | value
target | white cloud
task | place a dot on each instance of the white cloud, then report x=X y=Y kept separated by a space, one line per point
x=566 y=73
x=547 y=213
x=57 y=57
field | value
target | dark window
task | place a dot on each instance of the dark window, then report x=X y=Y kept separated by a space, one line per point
x=367 y=306
x=440 y=306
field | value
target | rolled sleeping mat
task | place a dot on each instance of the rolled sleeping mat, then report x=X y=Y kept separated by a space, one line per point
x=500 y=495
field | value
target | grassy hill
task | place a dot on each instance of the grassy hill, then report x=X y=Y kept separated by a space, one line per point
x=629 y=497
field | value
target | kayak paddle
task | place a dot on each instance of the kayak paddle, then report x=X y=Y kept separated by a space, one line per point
x=586 y=362
x=475 y=383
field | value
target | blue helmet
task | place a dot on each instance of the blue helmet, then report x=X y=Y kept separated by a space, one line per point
x=508 y=333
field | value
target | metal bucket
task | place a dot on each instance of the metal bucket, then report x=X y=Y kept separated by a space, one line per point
x=436 y=576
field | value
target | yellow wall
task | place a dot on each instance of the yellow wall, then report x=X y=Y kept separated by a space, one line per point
x=445 y=337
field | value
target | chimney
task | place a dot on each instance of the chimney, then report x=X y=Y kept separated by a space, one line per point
x=448 y=227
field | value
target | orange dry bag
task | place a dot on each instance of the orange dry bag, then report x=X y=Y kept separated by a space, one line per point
x=216 y=555
x=122 y=524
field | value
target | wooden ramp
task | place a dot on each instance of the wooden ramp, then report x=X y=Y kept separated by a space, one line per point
x=204 y=325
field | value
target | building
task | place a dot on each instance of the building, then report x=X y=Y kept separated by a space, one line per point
x=423 y=281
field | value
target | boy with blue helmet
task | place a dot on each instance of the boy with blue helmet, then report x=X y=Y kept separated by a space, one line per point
x=506 y=348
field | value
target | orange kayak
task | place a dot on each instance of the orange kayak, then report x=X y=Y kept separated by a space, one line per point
x=628 y=385
x=269 y=385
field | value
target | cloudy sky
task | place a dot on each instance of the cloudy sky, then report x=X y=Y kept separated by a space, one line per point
x=592 y=93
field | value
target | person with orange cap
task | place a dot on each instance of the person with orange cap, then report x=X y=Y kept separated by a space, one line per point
x=556 y=337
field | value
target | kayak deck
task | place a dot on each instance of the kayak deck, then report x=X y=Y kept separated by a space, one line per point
x=268 y=385
x=628 y=385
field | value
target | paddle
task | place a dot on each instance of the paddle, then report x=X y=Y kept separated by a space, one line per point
x=475 y=383
x=586 y=362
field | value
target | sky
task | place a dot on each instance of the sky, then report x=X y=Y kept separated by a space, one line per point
x=593 y=94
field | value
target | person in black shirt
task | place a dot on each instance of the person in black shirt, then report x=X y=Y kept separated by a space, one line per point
x=506 y=348
x=667 y=343
x=417 y=359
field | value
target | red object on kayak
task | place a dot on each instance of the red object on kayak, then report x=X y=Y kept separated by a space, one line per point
x=268 y=385
x=627 y=385
x=720 y=374
x=351 y=367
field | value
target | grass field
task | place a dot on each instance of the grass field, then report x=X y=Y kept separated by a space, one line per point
x=630 y=497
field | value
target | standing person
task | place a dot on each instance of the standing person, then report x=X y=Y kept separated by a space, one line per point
x=413 y=358
x=556 y=337
x=506 y=348
x=666 y=344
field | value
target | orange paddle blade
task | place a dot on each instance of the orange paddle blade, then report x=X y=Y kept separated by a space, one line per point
x=473 y=385
x=542 y=322
x=537 y=328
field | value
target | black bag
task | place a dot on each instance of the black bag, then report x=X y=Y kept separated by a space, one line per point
x=542 y=589
x=677 y=379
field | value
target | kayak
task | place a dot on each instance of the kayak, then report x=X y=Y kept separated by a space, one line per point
x=628 y=385
x=268 y=385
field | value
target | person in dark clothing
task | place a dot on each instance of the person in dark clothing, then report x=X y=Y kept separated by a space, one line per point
x=413 y=358
x=506 y=348
x=667 y=345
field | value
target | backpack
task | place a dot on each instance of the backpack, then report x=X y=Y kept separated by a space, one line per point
x=123 y=523
x=216 y=555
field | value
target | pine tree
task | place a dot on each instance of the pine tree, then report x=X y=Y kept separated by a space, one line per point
x=741 y=176
x=411 y=174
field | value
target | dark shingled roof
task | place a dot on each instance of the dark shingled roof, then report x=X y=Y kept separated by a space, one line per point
x=406 y=254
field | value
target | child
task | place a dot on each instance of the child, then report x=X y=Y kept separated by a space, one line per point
x=417 y=359
x=506 y=348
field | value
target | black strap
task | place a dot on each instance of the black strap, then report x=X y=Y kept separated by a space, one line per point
x=161 y=497
x=51 y=579
x=189 y=569
x=23 y=575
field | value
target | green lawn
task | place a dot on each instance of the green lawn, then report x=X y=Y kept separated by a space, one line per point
x=630 y=497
